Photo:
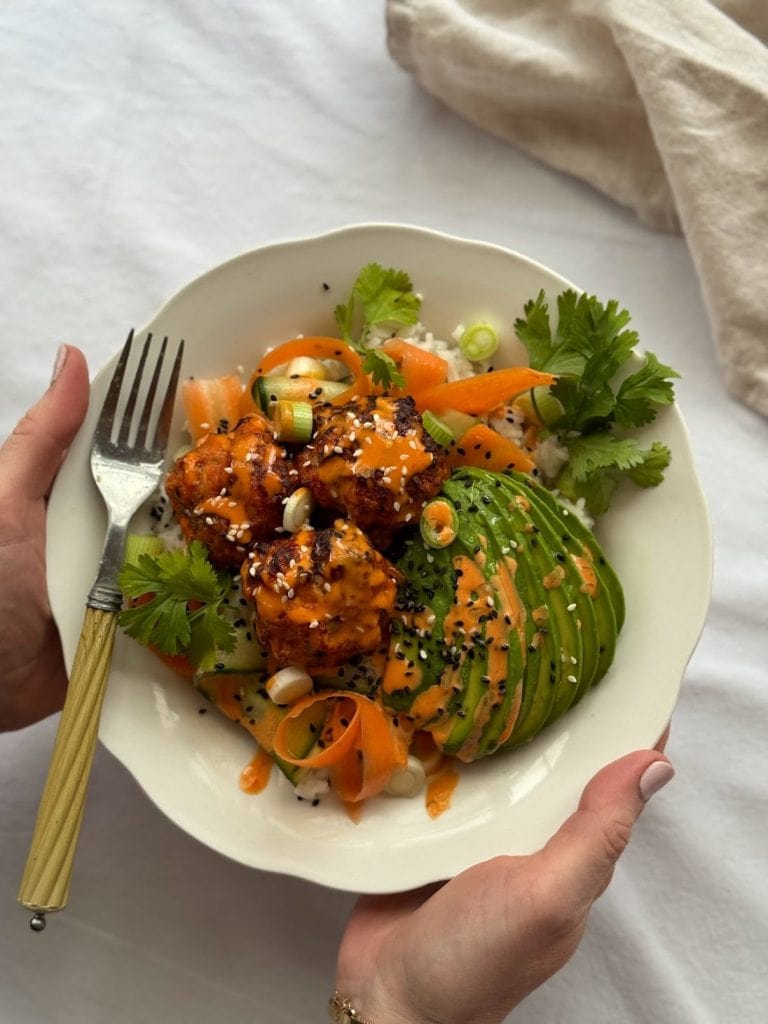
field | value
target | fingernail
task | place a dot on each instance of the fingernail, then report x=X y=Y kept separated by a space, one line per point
x=655 y=777
x=58 y=366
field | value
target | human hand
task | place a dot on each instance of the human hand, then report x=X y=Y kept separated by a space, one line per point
x=33 y=680
x=468 y=951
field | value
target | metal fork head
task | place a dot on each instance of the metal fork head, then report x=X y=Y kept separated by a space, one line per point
x=147 y=445
x=128 y=467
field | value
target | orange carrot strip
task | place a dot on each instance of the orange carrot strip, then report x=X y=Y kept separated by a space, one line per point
x=358 y=726
x=483 y=447
x=384 y=748
x=344 y=737
x=483 y=392
x=319 y=348
x=420 y=368
x=209 y=402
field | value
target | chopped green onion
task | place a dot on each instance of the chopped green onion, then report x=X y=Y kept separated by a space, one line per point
x=439 y=523
x=479 y=341
x=138 y=544
x=298 y=509
x=292 y=420
x=437 y=429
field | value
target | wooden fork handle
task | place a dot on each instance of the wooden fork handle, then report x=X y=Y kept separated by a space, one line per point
x=45 y=883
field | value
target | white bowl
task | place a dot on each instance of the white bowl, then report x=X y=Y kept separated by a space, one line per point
x=658 y=540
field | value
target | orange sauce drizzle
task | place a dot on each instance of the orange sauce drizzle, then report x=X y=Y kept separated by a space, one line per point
x=440 y=790
x=255 y=776
x=588 y=575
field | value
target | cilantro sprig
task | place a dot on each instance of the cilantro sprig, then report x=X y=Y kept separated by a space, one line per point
x=587 y=350
x=181 y=612
x=378 y=296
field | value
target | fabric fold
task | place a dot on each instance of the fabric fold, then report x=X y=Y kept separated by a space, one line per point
x=663 y=107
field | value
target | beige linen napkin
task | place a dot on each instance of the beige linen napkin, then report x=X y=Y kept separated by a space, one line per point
x=661 y=104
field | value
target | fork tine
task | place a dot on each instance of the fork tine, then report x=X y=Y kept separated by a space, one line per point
x=103 y=431
x=141 y=434
x=166 y=412
x=130 y=405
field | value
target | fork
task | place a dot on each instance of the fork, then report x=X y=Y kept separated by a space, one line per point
x=127 y=469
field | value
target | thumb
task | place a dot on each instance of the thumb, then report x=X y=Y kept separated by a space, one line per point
x=31 y=456
x=582 y=854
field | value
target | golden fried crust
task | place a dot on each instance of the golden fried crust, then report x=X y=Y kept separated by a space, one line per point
x=321 y=596
x=228 y=491
x=372 y=460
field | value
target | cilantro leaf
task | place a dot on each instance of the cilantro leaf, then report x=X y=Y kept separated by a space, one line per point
x=382 y=368
x=643 y=392
x=584 y=328
x=181 y=608
x=587 y=350
x=382 y=297
x=650 y=472
x=601 y=451
x=598 y=463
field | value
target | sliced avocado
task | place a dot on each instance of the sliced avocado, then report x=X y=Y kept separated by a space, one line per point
x=580 y=532
x=538 y=689
x=507 y=524
x=573 y=607
x=428 y=592
x=579 y=542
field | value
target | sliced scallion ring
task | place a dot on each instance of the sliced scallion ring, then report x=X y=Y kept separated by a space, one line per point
x=439 y=523
x=479 y=341
x=297 y=510
x=292 y=420
x=437 y=429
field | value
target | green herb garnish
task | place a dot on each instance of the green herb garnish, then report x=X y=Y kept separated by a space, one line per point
x=183 y=613
x=381 y=296
x=588 y=348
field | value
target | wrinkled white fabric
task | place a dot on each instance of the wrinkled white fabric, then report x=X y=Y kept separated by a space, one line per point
x=663 y=106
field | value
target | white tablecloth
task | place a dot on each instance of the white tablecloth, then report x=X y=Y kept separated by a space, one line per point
x=144 y=142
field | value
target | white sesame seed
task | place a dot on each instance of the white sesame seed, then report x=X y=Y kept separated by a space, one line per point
x=396 y=506
x=572 y=679
x=423 y=655
x=208 y=521
x=571 y=608
x=314 y=624
x=408 y=517
x=574 y=661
